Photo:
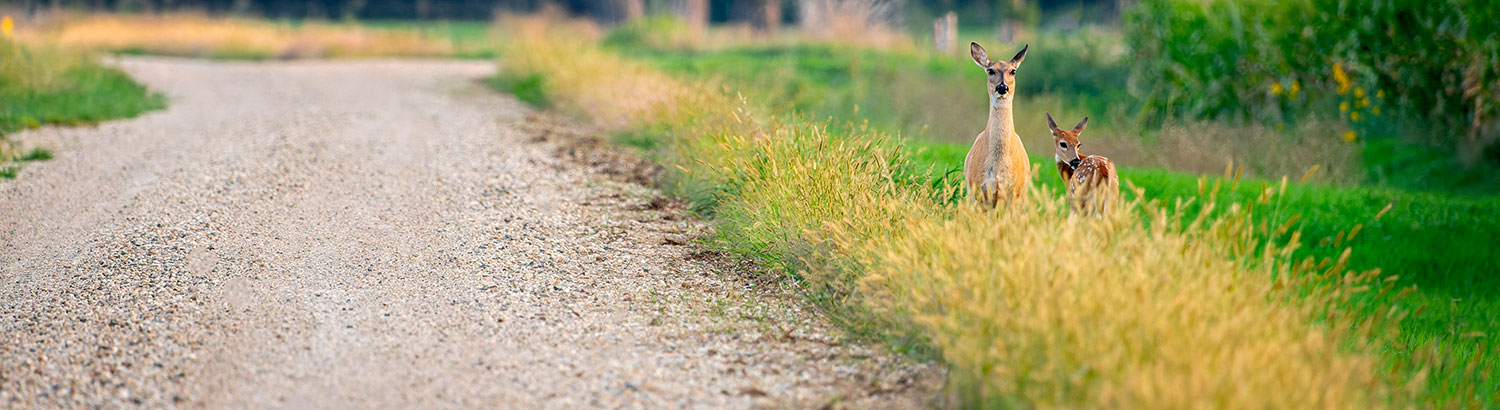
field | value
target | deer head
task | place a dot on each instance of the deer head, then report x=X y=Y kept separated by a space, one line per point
x=1065 y=142
x=1002 y=74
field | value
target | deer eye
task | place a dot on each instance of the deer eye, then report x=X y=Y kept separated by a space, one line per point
x=990 y=70
x=1012 y=72
x=1064 y=145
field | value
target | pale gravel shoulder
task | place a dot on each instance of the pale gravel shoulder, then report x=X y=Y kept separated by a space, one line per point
x=381 y=234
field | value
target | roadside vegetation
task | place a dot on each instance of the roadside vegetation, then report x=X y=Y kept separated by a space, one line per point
x=196 y=35
x=1072 y=75
x=1223 y=292
x=44 y=86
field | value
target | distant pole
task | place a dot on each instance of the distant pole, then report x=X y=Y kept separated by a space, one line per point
x=696 y=14
x=634 y=9
x=945 y=32
x=692 y=12
x=770 y=16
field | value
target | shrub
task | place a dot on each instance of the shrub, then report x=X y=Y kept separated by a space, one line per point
x=1355 y=60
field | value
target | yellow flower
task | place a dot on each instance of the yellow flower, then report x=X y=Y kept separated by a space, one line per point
x=1362 y=103
x=1349 y=136
x=1275 y=88
x=7 y=26
x=1344 y=106
x=1379 y=93
x=1375 y=110
x=1296 y=87
x=1341 y=78
x=1359 y=92
x=1354 y=116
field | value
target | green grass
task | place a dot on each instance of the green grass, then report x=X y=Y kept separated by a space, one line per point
x=531 y=89
x=47 y=87
x=89 y=93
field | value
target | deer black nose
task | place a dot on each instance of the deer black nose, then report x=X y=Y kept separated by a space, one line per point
x=1074 y=163
x=1001 y=89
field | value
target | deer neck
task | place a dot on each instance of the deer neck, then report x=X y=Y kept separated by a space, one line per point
x=1001 y=129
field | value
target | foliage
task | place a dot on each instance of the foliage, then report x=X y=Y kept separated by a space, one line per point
x=1435 y=63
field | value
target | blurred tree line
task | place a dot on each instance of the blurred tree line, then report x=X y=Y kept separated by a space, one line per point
x=774 y=12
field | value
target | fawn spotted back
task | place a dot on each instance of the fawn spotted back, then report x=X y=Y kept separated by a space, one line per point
x=1090 y=180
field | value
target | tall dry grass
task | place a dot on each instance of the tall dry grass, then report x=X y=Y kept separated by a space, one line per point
x=38 y=69
x=1028 y=306
x=595 y=83
x=187 y=34
x=1034 y=308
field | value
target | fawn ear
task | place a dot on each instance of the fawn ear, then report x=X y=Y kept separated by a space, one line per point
x=979 y=55
x=1021 y=56
x=1079 y=128
x=1050 y=123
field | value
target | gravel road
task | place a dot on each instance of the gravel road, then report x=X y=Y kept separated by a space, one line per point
x=381 y=234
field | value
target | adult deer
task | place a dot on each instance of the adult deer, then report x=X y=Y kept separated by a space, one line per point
x=1090 y=180
x=996 y=168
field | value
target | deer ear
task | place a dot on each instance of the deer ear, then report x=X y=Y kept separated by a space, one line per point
x=1079 y=128
x=979 y=55
x=1021 y=56
x=1050 y=123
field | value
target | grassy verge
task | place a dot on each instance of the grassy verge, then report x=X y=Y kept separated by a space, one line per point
x=194 y=35
x=1454 y=303
x=1197 y=301
x=41 y=86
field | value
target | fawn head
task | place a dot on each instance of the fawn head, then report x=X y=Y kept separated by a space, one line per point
x=1065 y=142
x=1002 y=73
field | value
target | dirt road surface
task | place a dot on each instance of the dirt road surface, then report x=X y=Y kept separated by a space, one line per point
x=380 y=234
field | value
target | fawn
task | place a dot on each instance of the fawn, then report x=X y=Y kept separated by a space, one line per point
x=1090 y=180
x=996 y=168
